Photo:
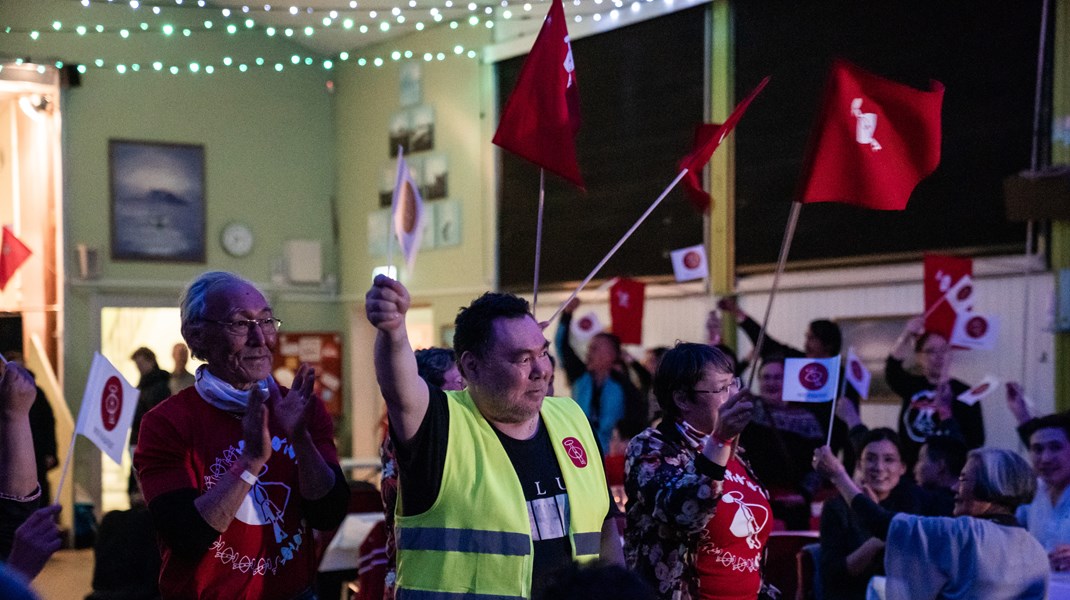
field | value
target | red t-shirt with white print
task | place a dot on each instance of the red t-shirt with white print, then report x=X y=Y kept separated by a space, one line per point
x=267 y=552
x=730 y=555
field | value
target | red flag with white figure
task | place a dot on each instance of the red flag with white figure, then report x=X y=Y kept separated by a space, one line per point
x=626 y=299
x=874 y=140
x=942 y=273
x=541 y=117
x=12 y=254
x=708 y=136
x=107 y=408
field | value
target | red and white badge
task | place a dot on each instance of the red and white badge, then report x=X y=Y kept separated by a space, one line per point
x=576 y=452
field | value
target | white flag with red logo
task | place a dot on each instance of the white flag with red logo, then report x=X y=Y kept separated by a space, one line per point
x=107 y=408
x=586 y=327
x=960 y=296
x=857 y=374
x=689 y=263
x=973 y=395
x=811 y=379
x=408 y=211
x=975 y=331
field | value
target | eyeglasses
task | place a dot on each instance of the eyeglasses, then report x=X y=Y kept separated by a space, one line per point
x=736 y=384
x=241 y=327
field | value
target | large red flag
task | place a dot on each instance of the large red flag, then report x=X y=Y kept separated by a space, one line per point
x=12 y=254
x=626 y=299
x=875 y=139
x=708 y=136
x=541 y=117
x=942 y=273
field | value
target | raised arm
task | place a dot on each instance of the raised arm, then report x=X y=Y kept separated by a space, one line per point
x=405 y=392
x=18 y=468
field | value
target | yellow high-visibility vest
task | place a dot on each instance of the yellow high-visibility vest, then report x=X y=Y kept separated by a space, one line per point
x=474 y=543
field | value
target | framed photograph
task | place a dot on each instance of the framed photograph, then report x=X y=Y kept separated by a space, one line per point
x=447 y=223
x=157 y=201
x=422 y=127
x=410 y=91
x=435 y=177
x=872 y=339
x=400 y=133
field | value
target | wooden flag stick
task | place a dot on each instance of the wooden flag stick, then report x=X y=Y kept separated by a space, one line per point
x=538 y=239
x=785 y=245
x=66 y=466
x=832 y=417
x=620 y=243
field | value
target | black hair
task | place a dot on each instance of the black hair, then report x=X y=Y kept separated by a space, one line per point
x=432 y=364
x=474 y=323
x=948 y=449
x=681 y=368
x=829 y=334
x=1055 y=421
x=882 y=434
x=614 y=340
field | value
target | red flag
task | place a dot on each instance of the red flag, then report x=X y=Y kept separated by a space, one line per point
x=541 y=117
x=942 y=273
x=626 y=309
x=12 y=254
x=874 y=141
x=707 y=137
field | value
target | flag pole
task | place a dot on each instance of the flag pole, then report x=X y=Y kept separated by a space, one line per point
x=620 y=243
x=538 y=239
x=66 y=466
x=785 y=245
x=832 y=415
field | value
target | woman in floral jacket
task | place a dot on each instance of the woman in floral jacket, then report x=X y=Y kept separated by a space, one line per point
x=697 y=517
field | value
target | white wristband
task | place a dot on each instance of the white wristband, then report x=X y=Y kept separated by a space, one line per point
x=248 y=477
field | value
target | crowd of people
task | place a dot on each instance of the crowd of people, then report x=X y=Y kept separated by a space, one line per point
x=495 y=487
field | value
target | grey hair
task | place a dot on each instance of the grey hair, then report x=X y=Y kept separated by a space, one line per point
x=193 y=303
x=1003 y=477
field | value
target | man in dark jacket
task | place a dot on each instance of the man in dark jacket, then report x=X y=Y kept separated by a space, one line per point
x=154 y=387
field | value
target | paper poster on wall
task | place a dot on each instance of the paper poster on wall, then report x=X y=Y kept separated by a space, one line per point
x=378 y=232
x=447 y=223
x=410 y=85
x=321 y=350
x=435 y=177
x=422 y=129
x=400 y=133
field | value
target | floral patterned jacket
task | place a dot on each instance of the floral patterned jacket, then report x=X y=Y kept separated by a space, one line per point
x=670 y=500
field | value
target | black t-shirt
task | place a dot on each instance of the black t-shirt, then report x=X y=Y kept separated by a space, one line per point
x=422 y=460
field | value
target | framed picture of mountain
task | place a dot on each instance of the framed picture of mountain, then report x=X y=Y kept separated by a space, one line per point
x=157 y=201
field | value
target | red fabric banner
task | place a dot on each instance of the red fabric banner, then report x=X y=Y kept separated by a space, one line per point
x=541 y=117
x=708 y=136
x=875 y=139
x=12 y=254
x=626 y=299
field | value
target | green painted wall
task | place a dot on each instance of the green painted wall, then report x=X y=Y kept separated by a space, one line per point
x=269 y=147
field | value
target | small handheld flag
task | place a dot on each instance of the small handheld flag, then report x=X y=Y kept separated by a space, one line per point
x=811 y=379
x=857 y=374
x=408 y=212
x=976 y=393
x=689 y=263
x=585 y=327
x=107 y=408
x=12 y=254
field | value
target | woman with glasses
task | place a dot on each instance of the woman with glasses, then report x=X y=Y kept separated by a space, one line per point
x=982 y=554
x=930 y=399
x=237 y=470
x=697 y=516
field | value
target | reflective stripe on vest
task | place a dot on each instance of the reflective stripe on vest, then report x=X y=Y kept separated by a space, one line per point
x=465 y=540
x=404 y=594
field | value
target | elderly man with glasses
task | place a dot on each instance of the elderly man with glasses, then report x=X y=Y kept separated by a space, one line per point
x=236 y=470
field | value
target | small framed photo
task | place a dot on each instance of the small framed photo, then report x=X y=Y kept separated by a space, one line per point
x=400 y=133
x=447 y=223
x=422 y=126
x=435 y=174
x=157 y=201
x=410 y=91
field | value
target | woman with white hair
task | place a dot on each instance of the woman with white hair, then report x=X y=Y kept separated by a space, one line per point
x=982 y=553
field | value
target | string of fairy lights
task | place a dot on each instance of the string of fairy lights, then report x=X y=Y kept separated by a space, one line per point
x=194 y=18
